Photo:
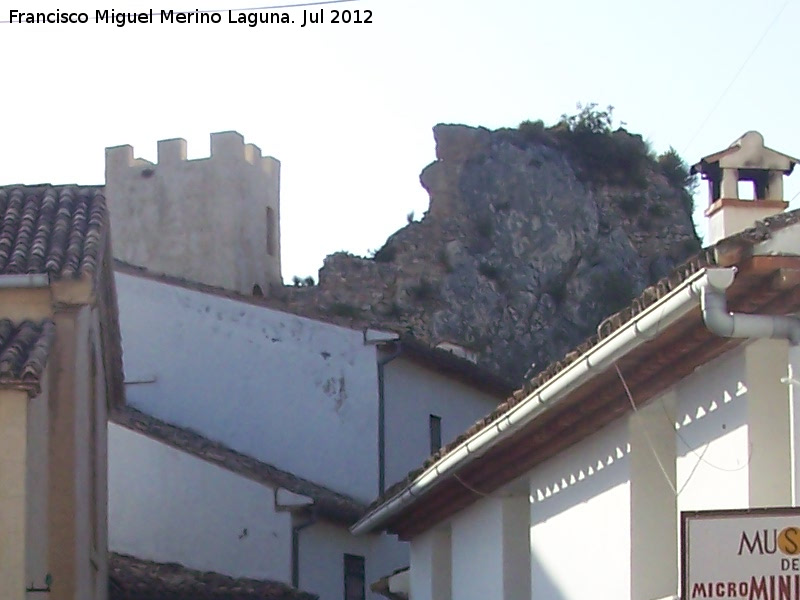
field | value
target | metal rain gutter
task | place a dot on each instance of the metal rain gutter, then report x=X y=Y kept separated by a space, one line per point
x=24 y=280
x=644 y=327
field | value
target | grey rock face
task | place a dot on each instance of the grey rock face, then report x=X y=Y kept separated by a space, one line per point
x=517 y=258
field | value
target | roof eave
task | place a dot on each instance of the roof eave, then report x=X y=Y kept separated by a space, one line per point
x=656 y=318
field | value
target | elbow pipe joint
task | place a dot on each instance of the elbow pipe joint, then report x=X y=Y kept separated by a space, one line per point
x=738 y=325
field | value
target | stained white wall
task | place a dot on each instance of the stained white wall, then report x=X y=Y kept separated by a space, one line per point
x=290 y=391
x=169 y=506
x=711 y=435
x=322 y=550
x=412 y=393
x=580 y=520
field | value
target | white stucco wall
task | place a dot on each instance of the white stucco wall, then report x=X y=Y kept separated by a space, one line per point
x=718 y=439
x=412 y=393
x=580 y=520
x=490 y=550
x=293 y=392
x=711 y=435
x=37 y=463
x=169 y=506
x=431 y=562
x=322 y=550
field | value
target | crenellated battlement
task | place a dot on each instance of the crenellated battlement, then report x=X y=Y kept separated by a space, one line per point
x=226 y=146
x=215 y=220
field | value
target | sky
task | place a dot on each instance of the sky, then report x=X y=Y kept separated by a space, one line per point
x=348 y=109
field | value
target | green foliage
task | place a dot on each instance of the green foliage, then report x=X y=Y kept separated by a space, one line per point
x=675 y=169
x=678 y=175
x=534 y=132
x=303 y=282
x=602 y=153
x=589 y=119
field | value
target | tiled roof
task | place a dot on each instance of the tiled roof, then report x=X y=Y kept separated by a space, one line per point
x=52 y=230
x=736 y=245
x=327 y=503
x=23 y=352
x=131 y=578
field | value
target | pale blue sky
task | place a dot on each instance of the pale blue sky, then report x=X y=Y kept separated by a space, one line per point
x=348 y=109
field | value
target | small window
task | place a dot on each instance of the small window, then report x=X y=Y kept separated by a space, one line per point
x=435 y=428
x=354 y=577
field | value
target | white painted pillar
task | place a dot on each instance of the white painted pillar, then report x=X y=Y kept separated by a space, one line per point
x=491 y=550
x=768 y=424
x=654 y=506
x=13 y=497
x=730 y=184
x=793 y=380
x=775 y=186
x=430 y=573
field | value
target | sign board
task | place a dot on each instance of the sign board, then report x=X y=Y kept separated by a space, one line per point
x=741 y=554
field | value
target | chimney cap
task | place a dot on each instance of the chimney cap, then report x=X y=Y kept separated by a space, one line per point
x=747 y=152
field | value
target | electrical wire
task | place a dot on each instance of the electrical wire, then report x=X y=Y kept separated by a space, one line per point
x=235 y=10
x=667 y=478
x=735 y=77
x=469 y=487
x=700 y=457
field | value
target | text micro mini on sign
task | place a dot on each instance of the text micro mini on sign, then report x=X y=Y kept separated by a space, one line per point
x=751 y=554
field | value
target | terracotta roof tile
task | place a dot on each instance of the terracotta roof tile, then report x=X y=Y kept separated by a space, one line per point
x=329 y=504
x=23 y=352
x=132 y=578
x=52 y=230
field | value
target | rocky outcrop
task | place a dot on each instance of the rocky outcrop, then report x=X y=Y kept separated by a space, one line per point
x=521 y=254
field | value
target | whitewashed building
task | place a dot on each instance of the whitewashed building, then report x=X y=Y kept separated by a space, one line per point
x=685 y=401
x=323 y=417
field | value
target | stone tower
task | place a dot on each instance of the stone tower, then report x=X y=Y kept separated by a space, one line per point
x=214 y=220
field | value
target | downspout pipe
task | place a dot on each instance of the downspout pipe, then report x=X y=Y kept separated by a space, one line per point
x=738 y=325
x=639 y=330
x=382 y=362
x=296 y=529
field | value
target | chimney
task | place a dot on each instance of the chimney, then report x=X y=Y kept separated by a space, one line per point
x=746 y=159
